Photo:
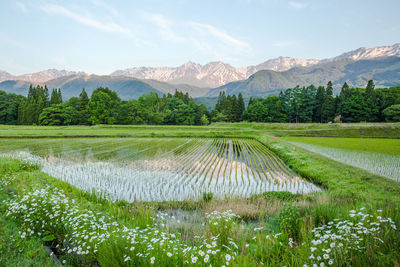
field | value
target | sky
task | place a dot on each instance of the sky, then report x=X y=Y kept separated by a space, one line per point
x=99 y=36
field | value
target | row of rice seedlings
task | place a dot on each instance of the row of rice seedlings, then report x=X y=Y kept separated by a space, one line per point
x=276 y=170
x=21 y=144
x=378 y=163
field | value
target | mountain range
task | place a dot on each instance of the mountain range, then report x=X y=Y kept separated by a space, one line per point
x=382 y=64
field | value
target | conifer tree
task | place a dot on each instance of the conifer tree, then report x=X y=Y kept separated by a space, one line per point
x=328 y=107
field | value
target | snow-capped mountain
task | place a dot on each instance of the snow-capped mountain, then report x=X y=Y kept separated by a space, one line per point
x=38 y=77
x=213 y=74
x=282 y=64
x=4 y=75
x=210 y=75
x=365 y=53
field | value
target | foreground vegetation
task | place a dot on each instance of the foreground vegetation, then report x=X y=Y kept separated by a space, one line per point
x=353 y=222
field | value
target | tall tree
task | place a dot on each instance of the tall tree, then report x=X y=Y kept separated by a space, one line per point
x=328 y=107
x=83 y=115
x=56 y=97
x=241 y=107
x=371 y=102
x=319 y=102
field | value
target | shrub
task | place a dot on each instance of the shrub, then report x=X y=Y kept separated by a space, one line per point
x=207 y=197
x=289 y=220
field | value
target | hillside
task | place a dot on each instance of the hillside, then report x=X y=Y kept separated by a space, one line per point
x=127 y=88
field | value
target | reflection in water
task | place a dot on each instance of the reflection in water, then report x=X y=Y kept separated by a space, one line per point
x=164 y=169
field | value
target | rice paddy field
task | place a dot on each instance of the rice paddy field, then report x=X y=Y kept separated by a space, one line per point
x=241 y=194
x=160 y=169
x=378 y=156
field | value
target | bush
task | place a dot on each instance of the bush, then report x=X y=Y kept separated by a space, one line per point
x=207 y=197
x=289 y=220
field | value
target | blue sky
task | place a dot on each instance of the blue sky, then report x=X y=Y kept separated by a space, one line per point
x=99 y=36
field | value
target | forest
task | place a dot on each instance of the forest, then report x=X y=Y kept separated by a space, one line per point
x=294 y=105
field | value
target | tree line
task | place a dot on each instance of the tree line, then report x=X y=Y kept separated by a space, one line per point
x=103 y=107
x=311 y=104
x=294 y=105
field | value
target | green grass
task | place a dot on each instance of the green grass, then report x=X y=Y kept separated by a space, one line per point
x=242 y=129
x=379 y=145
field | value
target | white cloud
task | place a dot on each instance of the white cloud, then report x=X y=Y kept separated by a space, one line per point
x=164 y=27
x=22 y=7
x=86 y=20
x=298 y=5
x=284 y=44
x=110 y=9
x=221 y=36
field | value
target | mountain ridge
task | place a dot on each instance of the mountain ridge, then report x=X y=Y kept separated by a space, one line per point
x=212 y=74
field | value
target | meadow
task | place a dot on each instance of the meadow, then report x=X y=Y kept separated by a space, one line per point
x=242 y=194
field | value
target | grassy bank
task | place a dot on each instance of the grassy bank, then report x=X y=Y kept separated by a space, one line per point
x=383 y=130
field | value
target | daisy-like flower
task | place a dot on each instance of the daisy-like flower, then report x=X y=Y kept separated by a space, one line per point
x=227 y=257
x=322 y=264
x=201 y=253
x=206 y=258
x=194 y=259
x=152 y=259
x=330 y=262
x=332 y=245
x=169 y=254
x=319 y=258
x=326 y=256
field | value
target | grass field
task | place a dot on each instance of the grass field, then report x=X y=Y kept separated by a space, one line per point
x=376 y=145
x=263 y=228
x=384 y=130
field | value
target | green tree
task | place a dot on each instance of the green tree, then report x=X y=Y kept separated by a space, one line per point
x=56 y=97
x=82 y=111
x=204 y=120
x=392 y=113
x=328 y=107
x=319 y=102
x=103 y=106
x=58 y=114
x=241 y=107
x=372 y=102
